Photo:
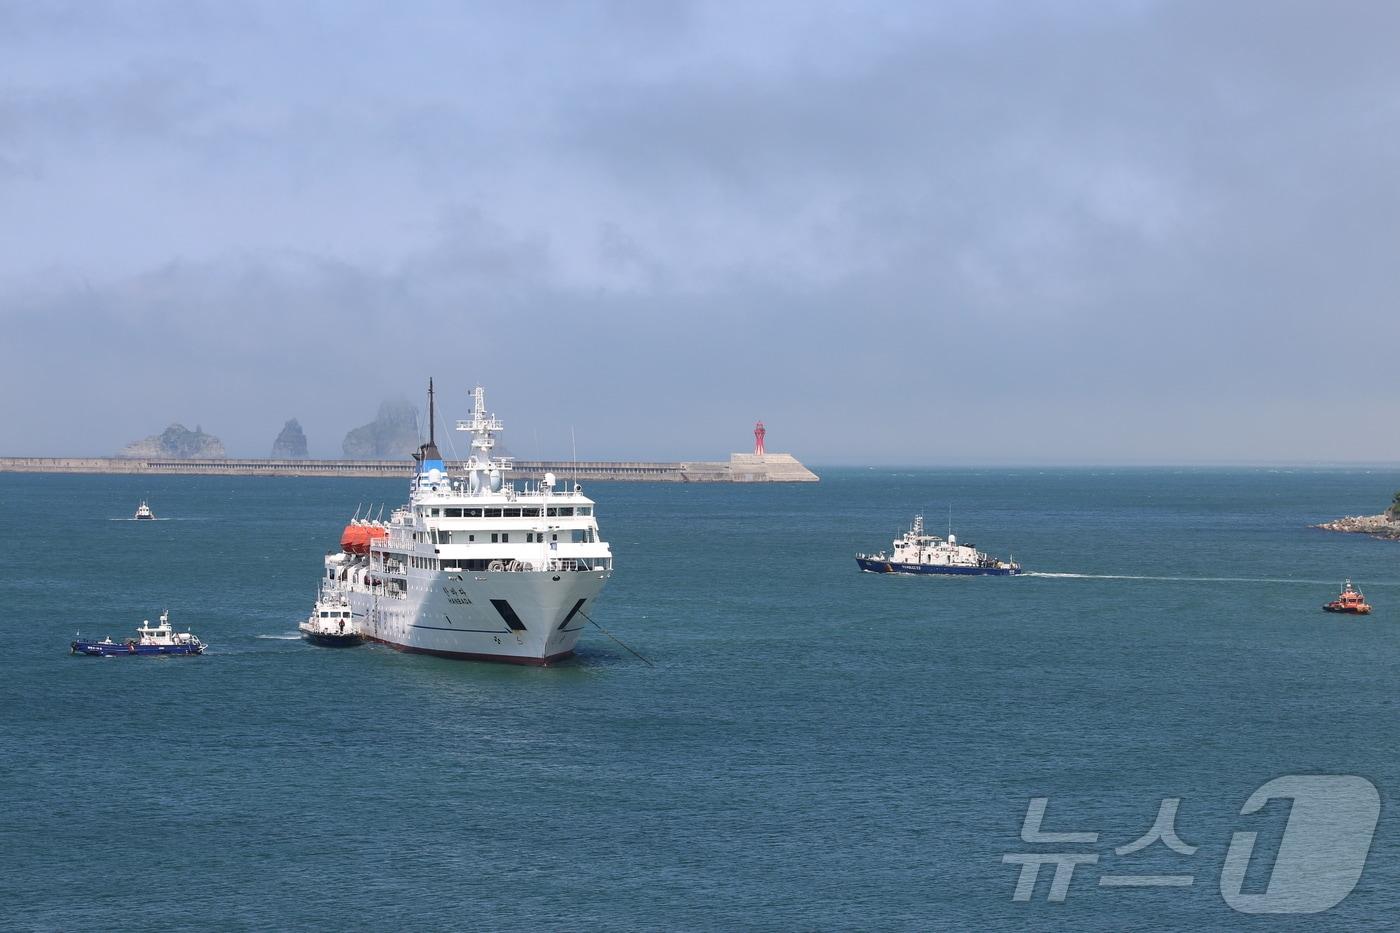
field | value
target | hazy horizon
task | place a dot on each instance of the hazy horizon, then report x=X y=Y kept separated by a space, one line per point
x=1128 y=233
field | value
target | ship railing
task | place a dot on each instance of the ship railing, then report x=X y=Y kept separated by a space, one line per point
x=551 y=565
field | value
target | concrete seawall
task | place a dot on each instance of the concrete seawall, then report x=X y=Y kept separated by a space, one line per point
x=740 y=468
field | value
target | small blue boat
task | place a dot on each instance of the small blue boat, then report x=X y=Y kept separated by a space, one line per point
x=150 y=640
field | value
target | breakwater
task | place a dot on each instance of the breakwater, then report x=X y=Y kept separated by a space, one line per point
x=739 y=468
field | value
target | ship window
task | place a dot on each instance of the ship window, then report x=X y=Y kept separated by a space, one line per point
x=510 y=513
x=585 y=510
x=471 y=513
x=495 y=537
x=505 y=537
x=492 y=513
x=436 y=513
x=471 y=537
x=530 y=513
x=452 y=513
x=565 y=511
x=577 y=536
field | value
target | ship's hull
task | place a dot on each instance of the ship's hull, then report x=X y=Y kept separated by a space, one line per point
x=517 y=618
x=885 y=566
x=100 y=650
x=333 y=640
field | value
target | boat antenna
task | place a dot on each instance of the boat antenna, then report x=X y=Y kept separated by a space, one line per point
x=357 y=511
x=432 y=423
x=573 y=444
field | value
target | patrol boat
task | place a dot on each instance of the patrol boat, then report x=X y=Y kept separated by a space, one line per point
x=474 y=566
x=144 y=513
x=331 y=623
x=150 y=639
x=917 y=552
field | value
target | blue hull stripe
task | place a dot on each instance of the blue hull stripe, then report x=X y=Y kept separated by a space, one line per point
x=93 y=649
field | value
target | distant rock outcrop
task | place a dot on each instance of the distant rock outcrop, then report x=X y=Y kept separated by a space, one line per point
x=291 y=443
x=176 y=442
x=391 y=436
x=1385 y=525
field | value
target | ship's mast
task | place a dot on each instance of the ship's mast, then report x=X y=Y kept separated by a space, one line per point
x=427 y=455
x=483 y=426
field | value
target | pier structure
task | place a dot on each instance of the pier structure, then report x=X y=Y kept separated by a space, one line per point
x=740 y=468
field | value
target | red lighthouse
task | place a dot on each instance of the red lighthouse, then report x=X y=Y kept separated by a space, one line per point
x=758 y=433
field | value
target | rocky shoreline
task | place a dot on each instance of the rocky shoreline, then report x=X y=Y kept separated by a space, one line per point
x=1377 y=526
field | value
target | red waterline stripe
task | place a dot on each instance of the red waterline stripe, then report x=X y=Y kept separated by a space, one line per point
x=473 y=656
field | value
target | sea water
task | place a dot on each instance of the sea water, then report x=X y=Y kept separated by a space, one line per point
x=813 y=748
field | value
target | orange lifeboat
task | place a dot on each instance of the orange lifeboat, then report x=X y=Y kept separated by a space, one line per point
x=1349 y=601
x=356 y=538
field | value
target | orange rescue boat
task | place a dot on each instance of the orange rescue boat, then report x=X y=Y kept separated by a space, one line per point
x=358 y=536
x=1349 y=601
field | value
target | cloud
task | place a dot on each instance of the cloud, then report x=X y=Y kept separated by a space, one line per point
x=976 y=231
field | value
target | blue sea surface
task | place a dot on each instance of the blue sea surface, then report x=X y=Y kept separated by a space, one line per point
x=815 y=748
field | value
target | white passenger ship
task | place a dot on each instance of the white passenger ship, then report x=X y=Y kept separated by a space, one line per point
x=473 y=566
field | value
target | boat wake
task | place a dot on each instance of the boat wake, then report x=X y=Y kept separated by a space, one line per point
x=1118 y=576
x=296 y=637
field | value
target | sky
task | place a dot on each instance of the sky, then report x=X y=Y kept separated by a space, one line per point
x=912 y=233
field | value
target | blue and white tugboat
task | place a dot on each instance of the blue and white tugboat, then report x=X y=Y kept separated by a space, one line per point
x=917 y=552
x=150 y=639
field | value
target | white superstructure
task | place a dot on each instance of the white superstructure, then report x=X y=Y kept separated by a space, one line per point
x=474 y=566
x=331 y=621
x=164 y=634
